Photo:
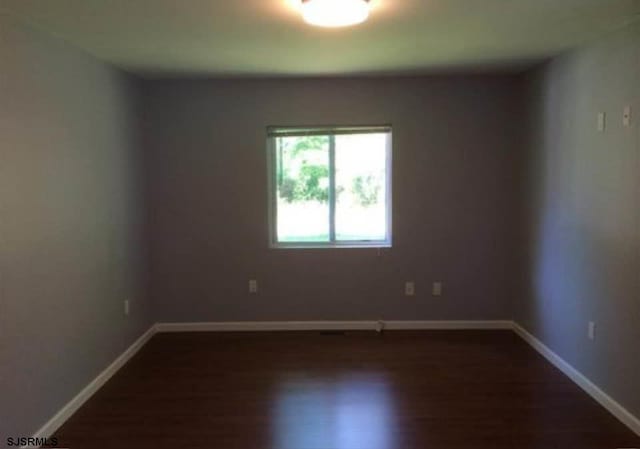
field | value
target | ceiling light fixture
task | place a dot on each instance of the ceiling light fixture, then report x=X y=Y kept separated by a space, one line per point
x=335 y=13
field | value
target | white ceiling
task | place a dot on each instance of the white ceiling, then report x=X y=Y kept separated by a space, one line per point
x=267 y=37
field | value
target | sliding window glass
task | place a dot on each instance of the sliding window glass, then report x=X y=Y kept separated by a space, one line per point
x=330 y=186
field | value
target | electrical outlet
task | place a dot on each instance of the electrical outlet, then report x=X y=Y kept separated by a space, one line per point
x=591 y=331
x=409 y=288
x=436 y=289
x=626 y=117
x=126 y=307
x=253 y=286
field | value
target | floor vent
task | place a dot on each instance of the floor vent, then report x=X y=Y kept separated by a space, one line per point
x=334 y=333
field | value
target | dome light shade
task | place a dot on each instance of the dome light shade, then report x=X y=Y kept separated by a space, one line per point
x=335 y=13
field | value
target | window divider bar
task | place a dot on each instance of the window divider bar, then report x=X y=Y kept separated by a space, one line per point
x=332 y=188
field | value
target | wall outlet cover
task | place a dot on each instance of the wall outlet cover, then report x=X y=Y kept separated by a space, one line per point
x=626 y=116
x=409 y=288
x=601 y=122
x=591 y=331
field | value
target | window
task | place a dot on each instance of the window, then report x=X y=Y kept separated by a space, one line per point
x=330 y=187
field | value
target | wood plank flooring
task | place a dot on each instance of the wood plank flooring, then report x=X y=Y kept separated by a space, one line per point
x=304 y=390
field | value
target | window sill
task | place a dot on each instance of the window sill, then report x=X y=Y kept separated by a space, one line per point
x=374 y=245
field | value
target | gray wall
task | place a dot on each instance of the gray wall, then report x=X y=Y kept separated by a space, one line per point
x=70 y=224
x=455 y=187
x=583 y=214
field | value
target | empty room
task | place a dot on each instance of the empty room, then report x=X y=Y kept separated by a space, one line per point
x=320 y=224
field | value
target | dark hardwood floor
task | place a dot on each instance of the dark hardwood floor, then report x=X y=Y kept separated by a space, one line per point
x=404 y=390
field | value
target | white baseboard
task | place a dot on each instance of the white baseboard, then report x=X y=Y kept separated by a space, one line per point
x=581 y=380
x=451 y=325
x=260 y=326
x=49 y=428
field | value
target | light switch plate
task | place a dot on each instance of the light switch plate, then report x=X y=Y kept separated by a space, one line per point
x=602 y=122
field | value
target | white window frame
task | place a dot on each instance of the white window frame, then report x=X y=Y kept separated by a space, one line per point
x=282 y=131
